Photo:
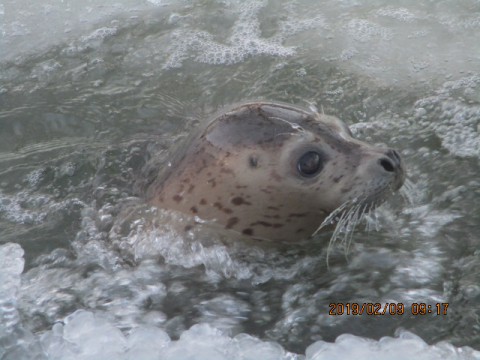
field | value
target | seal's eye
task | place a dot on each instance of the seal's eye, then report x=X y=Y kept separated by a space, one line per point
x=310 y=163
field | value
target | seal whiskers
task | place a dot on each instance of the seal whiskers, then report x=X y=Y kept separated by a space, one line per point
x=346 y=218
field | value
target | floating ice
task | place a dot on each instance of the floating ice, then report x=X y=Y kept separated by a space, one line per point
x=85 y=335
x=11 y=260
x=405 y=346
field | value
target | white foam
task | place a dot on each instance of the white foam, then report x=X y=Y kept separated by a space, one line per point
x=392 y=44
x=28 y=208
x=456 y=119
x=101 y=33
x=15 y=208
x=245 y=39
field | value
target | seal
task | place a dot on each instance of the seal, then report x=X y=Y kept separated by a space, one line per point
x=275 y=172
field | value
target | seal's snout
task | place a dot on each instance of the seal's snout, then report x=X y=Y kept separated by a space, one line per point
x=392 y=163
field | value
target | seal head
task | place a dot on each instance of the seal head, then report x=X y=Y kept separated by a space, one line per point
x=273 y=171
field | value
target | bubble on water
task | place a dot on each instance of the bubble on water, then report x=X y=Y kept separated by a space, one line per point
x=45 y=68
x=101 y=33
x=347 y=54
x=156 y=2
x=15 y=208
x=428 y=221
x=34 y=177
x=401 y=14
x=224 y=312
x=30 y=209
x=363 y=30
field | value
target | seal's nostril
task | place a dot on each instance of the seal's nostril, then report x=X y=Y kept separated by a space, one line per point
x=386 y=164
x=392 y=154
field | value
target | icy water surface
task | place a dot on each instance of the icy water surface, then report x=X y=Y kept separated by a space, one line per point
x=90 y=94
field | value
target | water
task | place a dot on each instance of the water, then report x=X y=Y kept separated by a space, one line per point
x=90 y=271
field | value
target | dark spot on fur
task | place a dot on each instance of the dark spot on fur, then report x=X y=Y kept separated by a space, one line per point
x=272 y=208
x=203 y=167
x=177 y=198
x=194 y=209
x=275 y=176
x=231 y=222
x=272 y=216
x=299 y=230
x=253 y=161
x=203 y=202
x=188 y=228
x=248 y=232
x=227 y=211
x=212 y=182
x=263 y=223
x=218 y=205
x=190 y=189
x=239 y=201
x=226 y=170
x=345 y=190
x=267 y=224
x=338 y=178
x=241 y=186
x=297 y=215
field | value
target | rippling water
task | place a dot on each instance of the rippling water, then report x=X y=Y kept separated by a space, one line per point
x=91 y=93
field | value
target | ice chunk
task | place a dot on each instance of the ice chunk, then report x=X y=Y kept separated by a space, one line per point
x=405 y=346
x=15 y=342
x=11 y=258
